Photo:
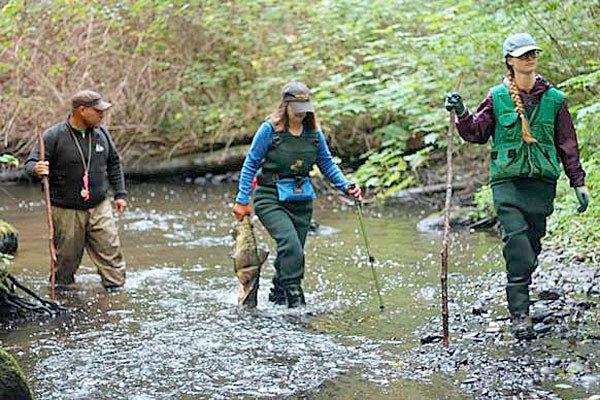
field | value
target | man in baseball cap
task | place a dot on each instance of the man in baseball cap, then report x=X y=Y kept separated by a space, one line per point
x=89 y=98
x=84 y=171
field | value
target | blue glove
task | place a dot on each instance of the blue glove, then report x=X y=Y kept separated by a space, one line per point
x=583 y=196
x=454 y=102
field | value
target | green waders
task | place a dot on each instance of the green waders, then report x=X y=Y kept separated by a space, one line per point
x=287 y=222
x=522 y=205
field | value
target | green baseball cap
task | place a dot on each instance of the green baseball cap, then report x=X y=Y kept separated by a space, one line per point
x=298 y=96
x=518 y=44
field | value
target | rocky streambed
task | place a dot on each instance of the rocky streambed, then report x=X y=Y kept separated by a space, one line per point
x=484 y=359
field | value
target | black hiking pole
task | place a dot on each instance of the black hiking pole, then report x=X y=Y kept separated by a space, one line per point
x=358 y=205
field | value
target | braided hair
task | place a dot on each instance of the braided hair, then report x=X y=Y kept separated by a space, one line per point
x=519 y=108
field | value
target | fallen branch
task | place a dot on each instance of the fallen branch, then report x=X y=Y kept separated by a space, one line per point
x=431 y=189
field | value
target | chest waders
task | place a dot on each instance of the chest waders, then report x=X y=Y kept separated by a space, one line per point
x=287 y=222
x=523 y=179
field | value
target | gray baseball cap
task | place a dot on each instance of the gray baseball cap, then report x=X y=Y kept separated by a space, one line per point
x=298 y=96
x=89 y=98
x=518 y=44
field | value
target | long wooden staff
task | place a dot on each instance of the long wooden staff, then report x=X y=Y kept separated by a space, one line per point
x=46 y=187
x=444 y=250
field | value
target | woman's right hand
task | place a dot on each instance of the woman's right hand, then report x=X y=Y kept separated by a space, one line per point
x=454 y=102
x=241 y=210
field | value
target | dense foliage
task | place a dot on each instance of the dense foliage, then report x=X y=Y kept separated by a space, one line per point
x=187 y=76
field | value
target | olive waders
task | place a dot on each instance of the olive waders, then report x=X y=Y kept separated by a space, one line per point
x=522 y=206
x=287 y=222
x=94 y=230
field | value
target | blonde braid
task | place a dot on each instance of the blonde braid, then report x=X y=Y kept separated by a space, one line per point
x=516 y=96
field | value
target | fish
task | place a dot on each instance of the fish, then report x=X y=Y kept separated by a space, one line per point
x=248 y=260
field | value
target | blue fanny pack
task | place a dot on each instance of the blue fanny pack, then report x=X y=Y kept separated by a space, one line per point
x=295 y=189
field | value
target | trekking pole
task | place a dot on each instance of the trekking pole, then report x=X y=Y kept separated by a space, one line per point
x=371 y=259
x=46 y=187
x=444 y=250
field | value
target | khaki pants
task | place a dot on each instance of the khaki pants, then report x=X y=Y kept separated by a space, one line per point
x=93 y=229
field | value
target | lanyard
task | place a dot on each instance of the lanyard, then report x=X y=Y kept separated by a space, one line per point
x=85 y=191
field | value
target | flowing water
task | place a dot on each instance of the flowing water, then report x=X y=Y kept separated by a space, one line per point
x=177 y=333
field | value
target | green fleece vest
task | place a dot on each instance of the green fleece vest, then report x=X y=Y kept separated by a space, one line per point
x=513 y=158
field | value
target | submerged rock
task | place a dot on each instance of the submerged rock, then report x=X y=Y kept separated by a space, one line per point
x=13 y=384
x=8 y=238
x=431 y=339
x=461 y=217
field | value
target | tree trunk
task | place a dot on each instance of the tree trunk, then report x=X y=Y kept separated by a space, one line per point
x=216 y=162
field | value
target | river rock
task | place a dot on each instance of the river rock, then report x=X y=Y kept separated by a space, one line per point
x=469 y=381
x=431 y=339
x=547 y=371
x=575 y=368
x=551 y=294
x=479 y=308
x=563 y=386
x=589 y=381
x=8 y=238
x=461 y=217
x=493 y=328
x=13 y=384
x=541 y=316
x=542 y=328
x=584 y=305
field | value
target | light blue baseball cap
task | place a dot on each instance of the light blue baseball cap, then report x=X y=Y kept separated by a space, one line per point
x=518 y=44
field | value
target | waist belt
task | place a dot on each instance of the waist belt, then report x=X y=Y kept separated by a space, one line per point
x=267 y=178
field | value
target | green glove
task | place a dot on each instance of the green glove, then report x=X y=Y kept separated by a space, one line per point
x=454 y=102
x=583 y=195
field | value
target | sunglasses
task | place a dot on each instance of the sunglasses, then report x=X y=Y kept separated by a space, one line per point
x=529 y=54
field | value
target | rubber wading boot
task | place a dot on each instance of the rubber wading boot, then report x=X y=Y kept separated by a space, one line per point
x=277 y=295
x=294 y=296
x=522 y=327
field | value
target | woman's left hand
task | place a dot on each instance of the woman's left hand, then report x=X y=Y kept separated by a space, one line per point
x=583 y=196
x=354 y=191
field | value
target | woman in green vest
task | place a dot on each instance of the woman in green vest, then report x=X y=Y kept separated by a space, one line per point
x=283 y=152
x=532 y=132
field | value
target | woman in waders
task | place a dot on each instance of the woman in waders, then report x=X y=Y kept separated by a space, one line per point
x=285 y=148
x=532 y=131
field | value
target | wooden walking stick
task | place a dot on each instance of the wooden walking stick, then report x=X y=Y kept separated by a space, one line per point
x=46 y=188
x=444 y=250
